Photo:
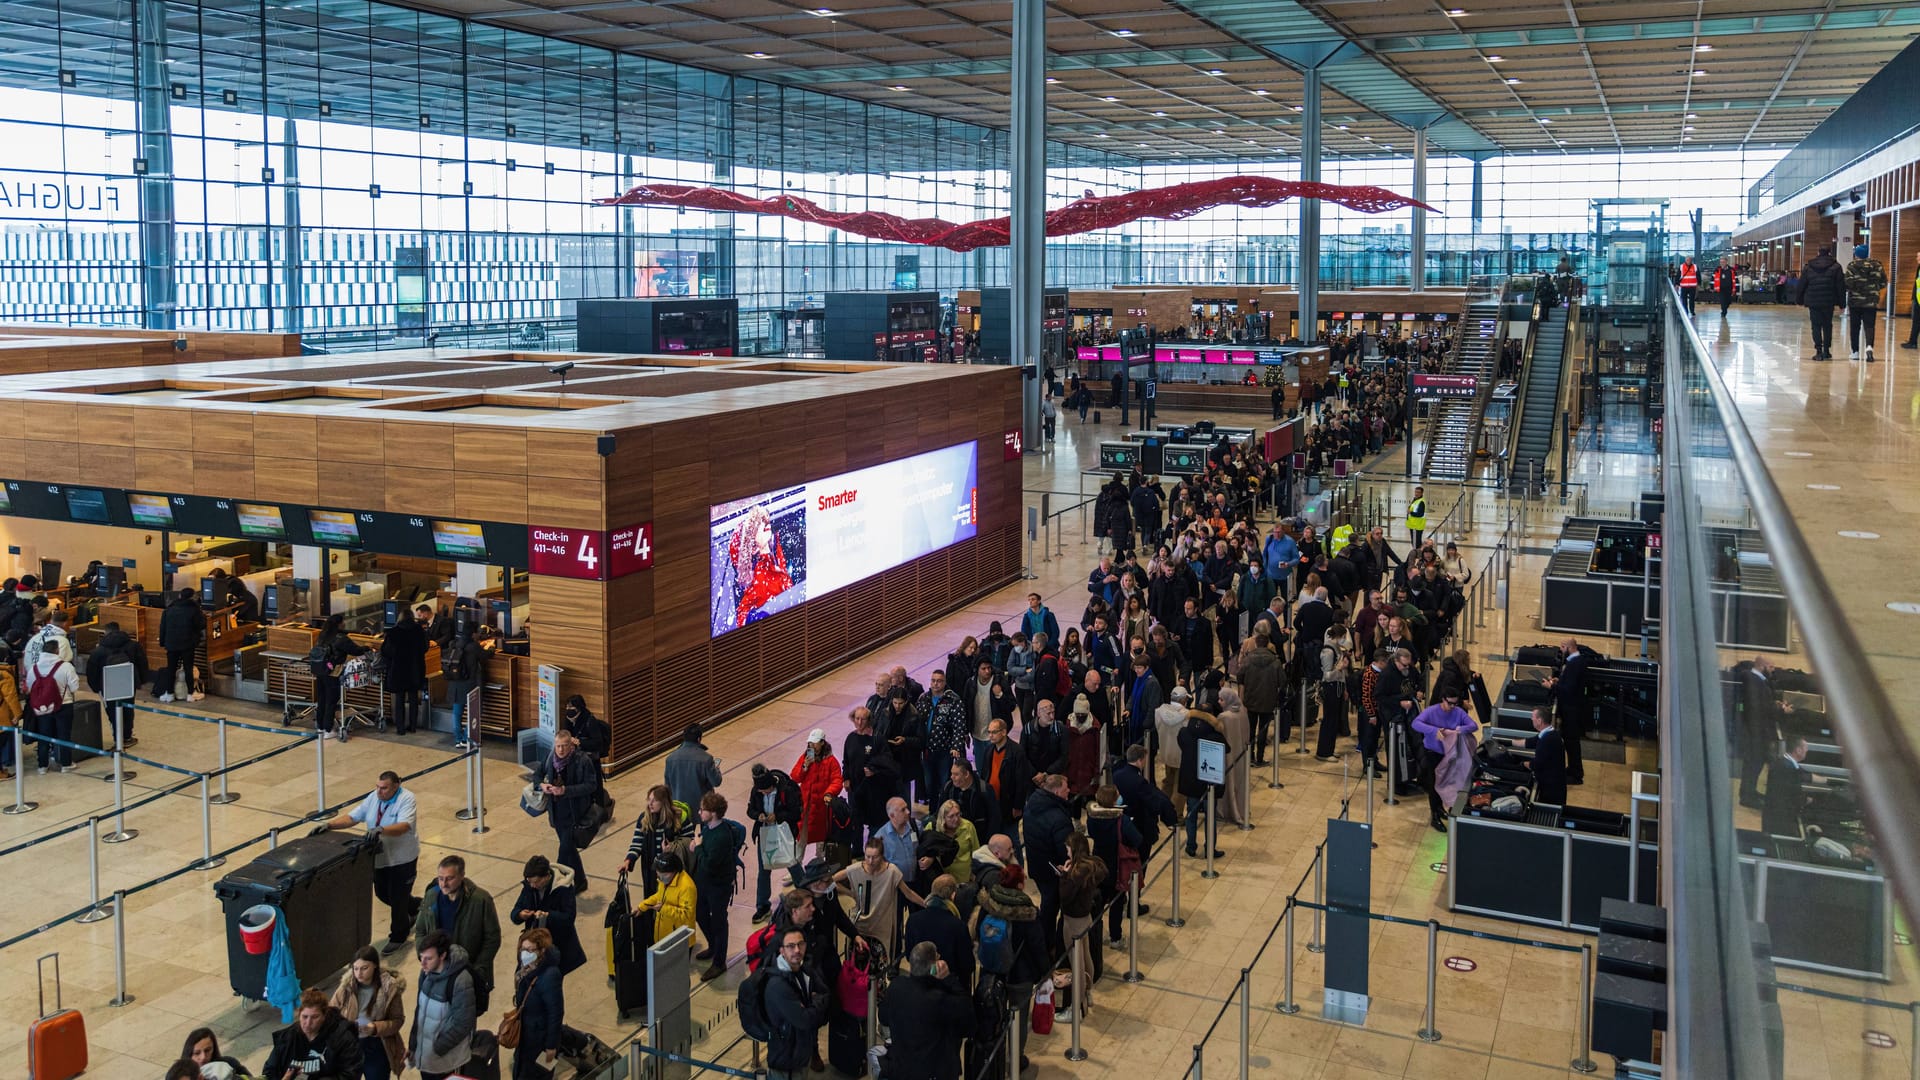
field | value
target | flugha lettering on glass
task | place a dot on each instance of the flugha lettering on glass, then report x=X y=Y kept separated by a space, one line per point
x=50 y=198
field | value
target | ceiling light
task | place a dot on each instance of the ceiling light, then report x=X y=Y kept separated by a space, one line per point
x=1102 y=135
x=1693 y=116
x=758 y=55
x=1703 y=48
x=1109 y=98
x=1513 y=82
x=1386 y=146
x=1299 y=108
x=1698 y=73
x=1216 y=72
x=897 y=88
x=1123 y=33
x=1140 y=144
x=1454 y=13
x=1686 y=138
x=824 y=12
x=1689 y=127
x=1494 y=58
x=1262 y=93
x=1339 y=127
x=1544 y=120
x=1051 y=80
x=1158 y=113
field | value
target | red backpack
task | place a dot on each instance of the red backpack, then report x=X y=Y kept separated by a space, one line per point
x=44 y=697
x=757 y=946
x=1064 y=685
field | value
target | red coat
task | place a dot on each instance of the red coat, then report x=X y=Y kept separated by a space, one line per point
x=817 y=784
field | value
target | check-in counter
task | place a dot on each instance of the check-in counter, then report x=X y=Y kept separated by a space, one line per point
x=290 y=682
x=217 y=648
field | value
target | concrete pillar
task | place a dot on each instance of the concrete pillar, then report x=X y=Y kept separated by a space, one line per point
x=158 y=281
x=1417 y=273
x=1309 y=286
x=1479 y=195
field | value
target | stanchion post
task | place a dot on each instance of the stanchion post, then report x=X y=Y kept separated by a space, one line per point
x=873 y=1009
x=1210 y=873
x=1430 y=1028
x=1584 y=1063
x=1319 y=897
x=1393 y=765
x=1287 y=1006
x=1371 y=775
x=1174 y=920
x=207 y=860
x=120 y=834
x=1195 y=1072
x=1246 y=1021
x=1013 y=1038
x=1133 y=974
x=1078 y=964
x=100 y=910
x=319 y=779
x=1302 y=716
x=1246 y=793
x=20 y=803
x=120 y=997
x=479 y=787
x=1633 y=857
x=273 y=838
x=1273 y=759
x=467 y=812
x=225 y=796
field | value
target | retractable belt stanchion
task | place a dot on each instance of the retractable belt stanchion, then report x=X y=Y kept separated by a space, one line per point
x=120 y=997
x=1430 y=1029
x=120 y=834
x=1287 y=1006
x=479 y=787
x=1074 y=951
x=1210 y=873
x=101 y=909
x=1133 y=974
x=1246 y=1021
x=1174 y=920
x=1584 y=1063
x=207 y=859
x=20 y=803
x=225 y=796
x=1319 y=897
x=319 y=780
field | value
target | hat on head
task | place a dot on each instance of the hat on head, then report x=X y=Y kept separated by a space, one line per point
x=1180 y=694
x=809 y=873
x=762 y=779
x=816 y=735
x=1860 y=251
x=1081 y=706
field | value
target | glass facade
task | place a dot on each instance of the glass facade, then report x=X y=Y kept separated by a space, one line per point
x=363 y=174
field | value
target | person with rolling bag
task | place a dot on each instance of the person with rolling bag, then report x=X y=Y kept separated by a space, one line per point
x=57 y=1041
x=632 y=930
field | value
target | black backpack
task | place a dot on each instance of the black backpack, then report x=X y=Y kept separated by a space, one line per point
x=751 y=1004
x=320 y=660
x=453 y=663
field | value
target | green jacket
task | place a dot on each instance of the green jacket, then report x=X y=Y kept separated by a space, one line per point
x=1865 y=279
x=476 y=927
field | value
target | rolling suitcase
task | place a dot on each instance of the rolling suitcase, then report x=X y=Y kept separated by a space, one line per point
x=57 y=1042
x=631 y=938
x=847 y=1044
x=485 y=1062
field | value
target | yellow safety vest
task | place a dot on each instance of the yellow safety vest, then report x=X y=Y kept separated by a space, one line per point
x=1417 y=515
x=1342 y=536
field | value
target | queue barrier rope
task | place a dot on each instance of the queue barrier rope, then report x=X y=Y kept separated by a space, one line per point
x=266 y=728
x=222 y=854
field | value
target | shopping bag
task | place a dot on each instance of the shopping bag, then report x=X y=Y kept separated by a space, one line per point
x=533 y=800
x=1043 y=1008
x=777 y=848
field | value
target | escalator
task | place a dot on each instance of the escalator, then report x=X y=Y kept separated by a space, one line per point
x=1453 y=430
x=1537 y=408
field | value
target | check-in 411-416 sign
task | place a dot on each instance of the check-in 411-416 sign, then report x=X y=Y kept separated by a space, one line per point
x=1445 y=385
x=590 y=554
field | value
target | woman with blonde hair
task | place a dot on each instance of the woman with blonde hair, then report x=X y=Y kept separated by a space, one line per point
x=664 y=825
x=967 y=838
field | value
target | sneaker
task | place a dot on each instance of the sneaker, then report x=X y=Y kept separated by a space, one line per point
x=43 y=770
x=1869 y=354
x=1116 y=942
x=68 y=768
x=461 y=744
x=166 y=697
x=1328 y=758
x=760 y=914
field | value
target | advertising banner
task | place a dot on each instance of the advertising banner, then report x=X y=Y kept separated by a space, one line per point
x=775 y=550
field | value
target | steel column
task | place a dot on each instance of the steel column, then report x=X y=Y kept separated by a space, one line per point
x=1026 y=248
x=1310 y=208
x=1417 y=273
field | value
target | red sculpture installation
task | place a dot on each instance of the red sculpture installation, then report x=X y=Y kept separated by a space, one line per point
x=1082 y=215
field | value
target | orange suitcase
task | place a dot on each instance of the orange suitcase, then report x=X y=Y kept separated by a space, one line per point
x=57 y=1042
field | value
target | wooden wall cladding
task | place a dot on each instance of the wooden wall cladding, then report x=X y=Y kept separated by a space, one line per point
x=33 y=347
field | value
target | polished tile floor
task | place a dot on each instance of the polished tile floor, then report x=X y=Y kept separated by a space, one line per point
x=1514 y=1015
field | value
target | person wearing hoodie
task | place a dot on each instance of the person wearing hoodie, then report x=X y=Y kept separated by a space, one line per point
x=1109 y=828
x=444 y=1009
x=989 y=861
x=675 y=899
x=318 y=1045
x=546 y=902
x=372 y=999
x=1048 y=824
x=1865 y=277
x=1020 y=661
x=182 y=625
x=116 y=647
x=57 y=721
x=1168 y=720
x=691 y=771
x=538 y=995
x=1823 y=286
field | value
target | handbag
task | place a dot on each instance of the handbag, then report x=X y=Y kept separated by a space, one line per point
x=509 y=1034
x=533 y=800
x=1043 y=1008
x=588 y=828
x=777 y=849
x=1129 y=867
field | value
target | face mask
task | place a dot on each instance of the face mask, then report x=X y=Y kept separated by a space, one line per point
x=527 y=956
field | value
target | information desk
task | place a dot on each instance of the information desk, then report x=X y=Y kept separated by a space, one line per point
x=1554 y=873
x=1603 y=577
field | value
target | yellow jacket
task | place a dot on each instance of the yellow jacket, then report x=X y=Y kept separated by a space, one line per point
x=674 y=900
x=10 y=710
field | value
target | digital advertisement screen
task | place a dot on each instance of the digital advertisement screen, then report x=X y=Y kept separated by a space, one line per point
x=260 y=521
x=6 y=501
x=774 y=551
x=88 y=504
x=459 y=540
x=153 y=511
x=333 y=528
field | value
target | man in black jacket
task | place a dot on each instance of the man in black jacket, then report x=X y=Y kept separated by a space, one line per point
x=1549 y=760
x=116 y=647
x=1192 y=788
x=1570 y=700
x=930 y=1016
x=940 y=925
x=775 y=800
x=1757 y=739
x=569 y=776
x=1145 y=804
x=1049 y=821
x=1823 y=287
x=797 y=1003
x=1786 y=790
x=975 y=799
x=181 y=626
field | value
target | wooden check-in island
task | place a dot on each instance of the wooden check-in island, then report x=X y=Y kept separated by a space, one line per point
x=648 y=526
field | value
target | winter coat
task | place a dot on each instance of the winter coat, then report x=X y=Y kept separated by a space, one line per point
x=115 y=647
x=538 y=994
x=336 y=1044
x=1049 y=821
x=692 y=772
x=978 y=805
x=475 y=930
x=559 y=904
x=1109 y=827
x=1082 y=885
x=1016 y=781
x=181 y=625
x=442 y=1041
x=1045 y=747
x=938 y=1015
x=1260 y=680
x=1030 y=960
x=1822 y=284
x=578 y=777
x=940 y=923
x=1865 y=278
x=675 y=901
x=405 y=650
x=1199 y=727
x=819 y=782
x=1146 y=806
x=797 y=1003
x=387 y=1010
